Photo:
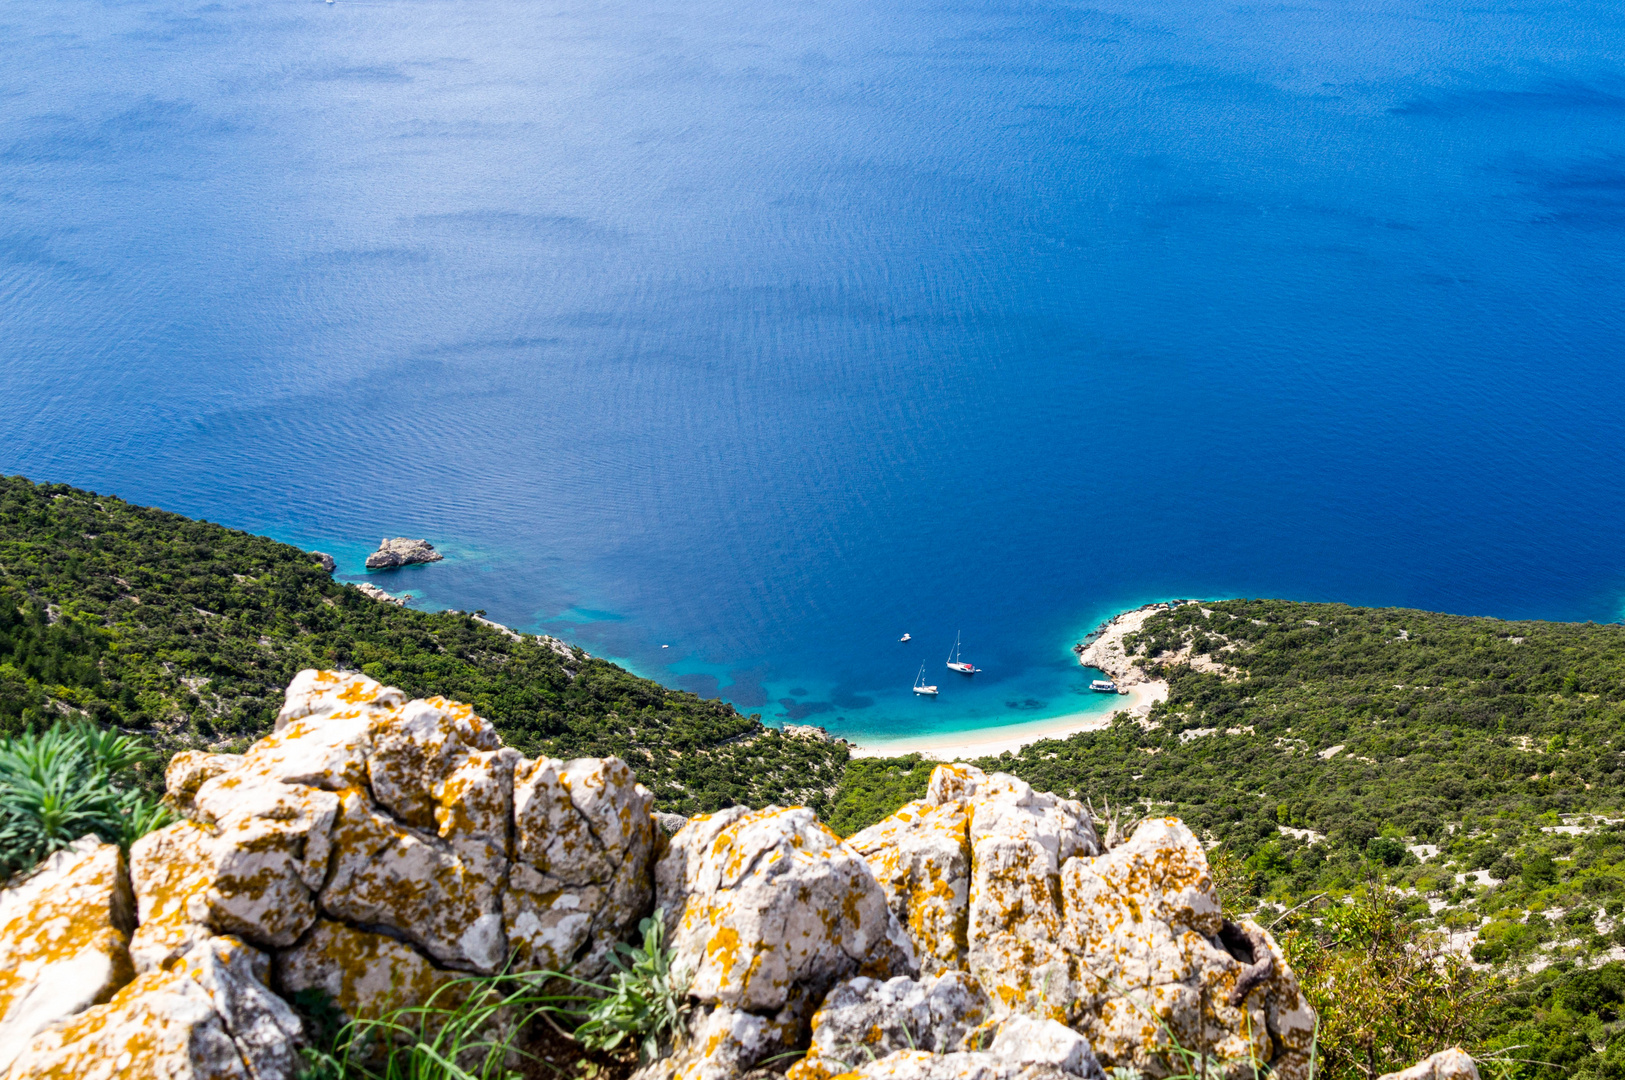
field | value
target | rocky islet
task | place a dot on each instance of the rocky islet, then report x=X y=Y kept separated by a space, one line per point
x=402 y=551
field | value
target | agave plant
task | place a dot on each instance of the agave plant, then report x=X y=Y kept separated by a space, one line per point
x=64 y=783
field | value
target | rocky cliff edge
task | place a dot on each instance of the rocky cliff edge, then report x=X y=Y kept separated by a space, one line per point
x=374 y=847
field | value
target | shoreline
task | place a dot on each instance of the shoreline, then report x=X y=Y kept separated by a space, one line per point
x=1104 y=651
x=992 y=741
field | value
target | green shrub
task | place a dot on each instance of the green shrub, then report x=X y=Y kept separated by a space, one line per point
x=647 y=999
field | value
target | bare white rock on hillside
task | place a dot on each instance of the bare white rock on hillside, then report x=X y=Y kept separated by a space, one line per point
x=402 y=551
x=1451 y=1064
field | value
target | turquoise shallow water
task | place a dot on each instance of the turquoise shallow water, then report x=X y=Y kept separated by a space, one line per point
x=770 y=332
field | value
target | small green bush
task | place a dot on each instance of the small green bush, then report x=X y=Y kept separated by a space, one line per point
x=647 y=999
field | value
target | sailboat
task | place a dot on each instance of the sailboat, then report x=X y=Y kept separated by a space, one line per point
x=955 y=663
x=920 y=687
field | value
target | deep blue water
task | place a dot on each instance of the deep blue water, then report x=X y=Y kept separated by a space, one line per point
x=771 y=331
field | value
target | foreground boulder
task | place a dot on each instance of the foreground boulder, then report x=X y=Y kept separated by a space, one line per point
x=209 y=1015
x=64 y=941
x=766 y=910
x=1153 y=952
x=1126 y=950
x=376 y=849
x=374 y=843
x=402 y=551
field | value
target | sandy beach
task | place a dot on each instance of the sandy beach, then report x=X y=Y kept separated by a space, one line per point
x=1104 y=650
x=953 y=745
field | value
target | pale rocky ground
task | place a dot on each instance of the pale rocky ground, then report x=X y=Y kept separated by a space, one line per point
x=375 y=848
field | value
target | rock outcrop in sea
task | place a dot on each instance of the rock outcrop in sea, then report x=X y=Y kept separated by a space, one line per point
x=402 y=551
x=375 y=847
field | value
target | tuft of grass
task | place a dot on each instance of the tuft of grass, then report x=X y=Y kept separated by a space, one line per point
x=473 y=1028
x=66 y=782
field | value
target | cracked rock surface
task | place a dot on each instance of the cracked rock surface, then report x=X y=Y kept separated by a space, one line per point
x=376 y=848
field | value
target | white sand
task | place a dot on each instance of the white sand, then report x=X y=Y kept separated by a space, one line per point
x=1012 y=737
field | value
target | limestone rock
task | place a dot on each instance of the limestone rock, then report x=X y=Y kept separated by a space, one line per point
x=247 y=863
x=364 y=974
x=64 y=942
x=1019 y=839
x=921 y=856
x=669 y=823
x=1006 y=807
x=1451 y=1064
x=325 y=561
x=401 y=818
x=368 y=589
x=1119 y=947
x=955 y=781
x=1025 y=1040
x=402 y=552
x=865 y=1019
x=1144 y=928
x=920 y=1065
x=583 y=841
x=724 y=1044
x=444 y=900
x=208 y=1016
x=763 y=904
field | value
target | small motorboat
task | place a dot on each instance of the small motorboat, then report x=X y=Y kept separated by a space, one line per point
x=1103 y=686
x=905 y=637
x=957 y=663
x=921 y=688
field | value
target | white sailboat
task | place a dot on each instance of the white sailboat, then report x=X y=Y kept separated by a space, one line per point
x=955 y=663
x=920 y=687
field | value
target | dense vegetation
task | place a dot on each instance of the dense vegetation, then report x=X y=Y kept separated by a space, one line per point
x=1405 y=791
x=1410 y=787
x=187 y=632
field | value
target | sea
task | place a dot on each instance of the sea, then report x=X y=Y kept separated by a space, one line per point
x=734 y=340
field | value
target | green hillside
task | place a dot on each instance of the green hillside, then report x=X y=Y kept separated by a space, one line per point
x=1373 y=781
x=187 y=633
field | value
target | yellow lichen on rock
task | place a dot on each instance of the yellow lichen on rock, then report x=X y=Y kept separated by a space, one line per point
x=1144 y=928
x=363 y=974
x=64 y=943
x=208 y=1016
x=762 y=900
x=921 y=857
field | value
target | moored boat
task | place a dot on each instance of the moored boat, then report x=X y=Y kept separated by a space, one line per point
x=1103 y=686
x=957 y=663
x=920 y=687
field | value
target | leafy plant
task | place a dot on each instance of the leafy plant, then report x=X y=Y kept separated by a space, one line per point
x=472 y=1028
x=1387 y=994
x=469 y=1029
x=61 y=784
x=647 y=999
